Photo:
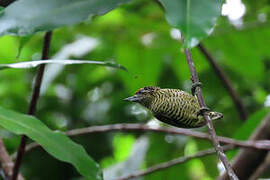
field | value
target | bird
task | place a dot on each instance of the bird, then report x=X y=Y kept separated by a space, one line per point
x=173 y=106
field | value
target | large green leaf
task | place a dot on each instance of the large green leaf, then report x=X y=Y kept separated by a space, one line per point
x=55 y=143
x=26 y=17
x=195 y=18
x=32 y=64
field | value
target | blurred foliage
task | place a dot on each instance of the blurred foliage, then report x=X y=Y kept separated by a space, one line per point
x=138 y=37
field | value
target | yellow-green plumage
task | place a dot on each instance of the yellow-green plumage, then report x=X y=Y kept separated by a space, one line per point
x=172 y=106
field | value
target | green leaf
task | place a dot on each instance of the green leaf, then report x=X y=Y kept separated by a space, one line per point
x=32 y=64
x=56 y=144
x=26 y=17
x=195 y=18
x=23 y=41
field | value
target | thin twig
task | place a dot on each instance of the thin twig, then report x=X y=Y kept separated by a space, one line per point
x=6 y=162
x=173 y=162
x=170 y=130
x=33 y=102
x=225 y=81
x=211 y=130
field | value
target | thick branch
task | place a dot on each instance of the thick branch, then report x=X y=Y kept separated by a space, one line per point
x=211 y=130
x=264 y=167
x=173 y=162
x=146 y=128
x=226 y=82
x=33 y=102
x=248 y=160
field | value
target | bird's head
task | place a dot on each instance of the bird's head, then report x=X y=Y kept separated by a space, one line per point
x=144 y=96
x=214 y=115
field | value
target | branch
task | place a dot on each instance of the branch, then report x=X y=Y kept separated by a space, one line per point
x=226 y=82
x=248 y=160
x=6 y=162
x=33 y=102
x=170 y=130
x=262 y=168
x=173 y=162
x=211 y=130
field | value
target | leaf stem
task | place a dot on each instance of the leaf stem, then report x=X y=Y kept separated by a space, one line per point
x=33 y=102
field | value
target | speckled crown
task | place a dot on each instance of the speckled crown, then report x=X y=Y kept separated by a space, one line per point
x=147 y=89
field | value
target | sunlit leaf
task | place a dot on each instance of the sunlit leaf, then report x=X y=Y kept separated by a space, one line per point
x=26 y=17
x=56 y=144
x=23 y=41
x=195 y=18
x=32 y=64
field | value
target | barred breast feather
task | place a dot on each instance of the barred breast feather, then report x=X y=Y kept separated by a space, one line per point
x=177 y=108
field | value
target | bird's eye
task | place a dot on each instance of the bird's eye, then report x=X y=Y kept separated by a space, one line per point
x=140 y=91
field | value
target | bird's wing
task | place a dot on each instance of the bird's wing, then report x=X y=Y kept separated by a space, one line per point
x=174 y=107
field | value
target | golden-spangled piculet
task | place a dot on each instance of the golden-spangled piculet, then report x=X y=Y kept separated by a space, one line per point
x=173 y=106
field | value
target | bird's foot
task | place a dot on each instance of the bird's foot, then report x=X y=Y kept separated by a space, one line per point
x=202 y=111
x=194 y=86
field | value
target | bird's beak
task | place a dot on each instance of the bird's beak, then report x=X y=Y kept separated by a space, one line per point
x=134 y=98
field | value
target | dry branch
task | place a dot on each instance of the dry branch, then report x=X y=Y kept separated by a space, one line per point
x=169 y=130
x=248 y=160
x=173 y=162
x=264 y=167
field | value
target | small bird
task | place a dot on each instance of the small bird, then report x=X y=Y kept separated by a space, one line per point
x=173 y=106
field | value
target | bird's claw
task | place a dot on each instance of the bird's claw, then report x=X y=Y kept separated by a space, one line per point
x=194 y=86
